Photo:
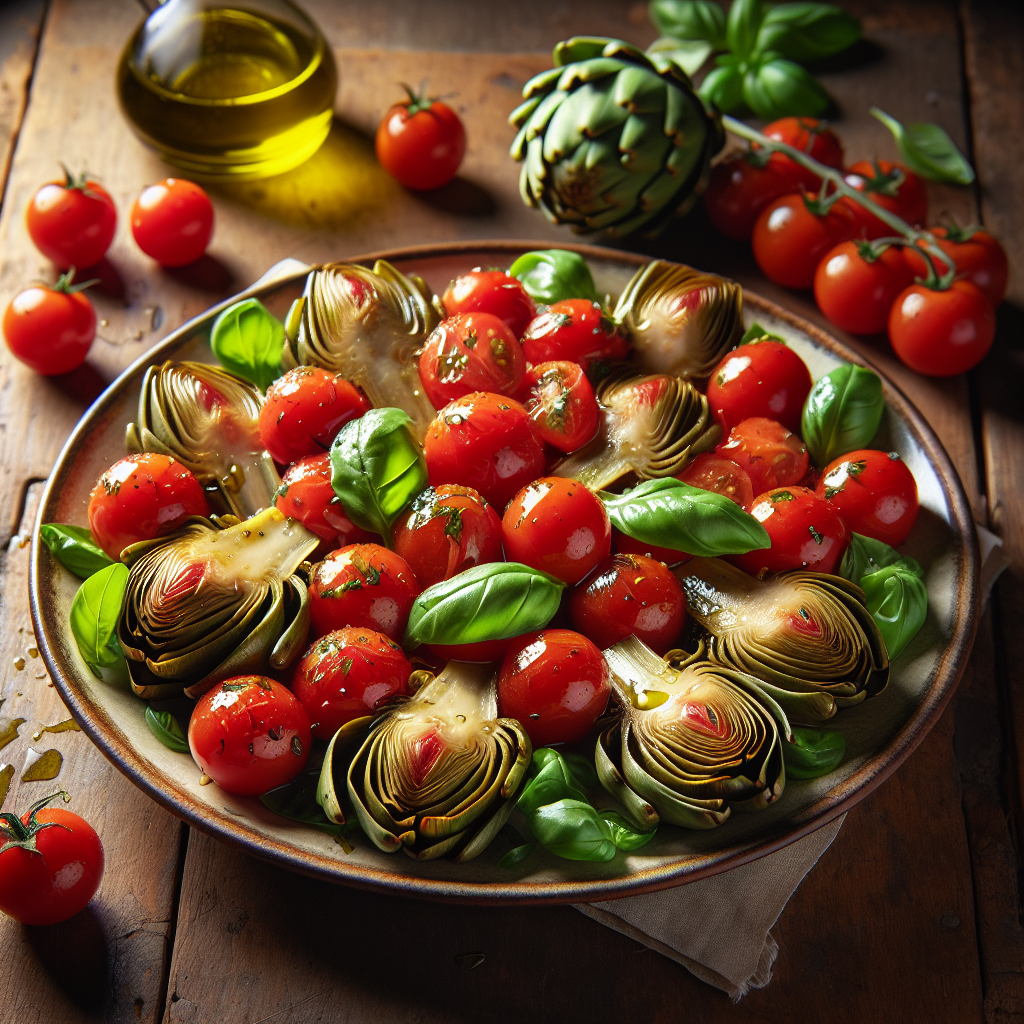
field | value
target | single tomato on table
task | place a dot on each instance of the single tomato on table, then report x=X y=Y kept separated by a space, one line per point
x=892 y=187
x=767 y=452
x=575 y=331
x=561 y=402
x=72 y=222
x=740 y=187
x=810 y=136
x=491 y=291
x=979 y=258
x=857 y=282
x=421 y=142
x=172 y=222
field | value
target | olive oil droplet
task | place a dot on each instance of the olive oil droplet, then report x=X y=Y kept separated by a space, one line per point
x=45 y=766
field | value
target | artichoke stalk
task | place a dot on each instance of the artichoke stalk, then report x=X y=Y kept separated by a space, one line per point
x=214 y=600
x=434 y=775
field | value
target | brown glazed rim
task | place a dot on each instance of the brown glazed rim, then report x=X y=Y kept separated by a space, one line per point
x=114 y=743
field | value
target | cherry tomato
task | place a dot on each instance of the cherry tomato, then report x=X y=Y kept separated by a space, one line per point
x=855 y=288
x=484 y=441
x=790 y=238
x=362 y=585
x=421 y=142
x=561 y=402
x=483 y=652
x=575 y=331
x=50 y=329
x=629 y=594
x=812 y=137
x=874 y=492
x=978 y=257
x=711 y=472
x=72 y=222
x=141 y=497
x=446 y=530
x=764 y=378
x=625 y=545
x=471 y=352
x=172 y=222
x=891 y=186
x=805 y=530
x=942 y=333
x=771 y=455
x=556 y=683
x=558 y=526
x=304 y=410
x=250 y=734
x=348 y=674
x=491 y=291
x=739 y=190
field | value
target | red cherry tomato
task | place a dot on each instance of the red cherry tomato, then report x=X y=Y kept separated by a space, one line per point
x=491 y=291
x=50 y=329
x=874 y=492
x=172 y=222
x=805 y=530
x=812 y=137
x=629 y=594
x=304 y=411
x=942 y=333
x=978 y=257
x=891 y=186
x=470 y=352
x=362 y=585
x=487 y=442
x=625 y=545
x=575 y=331
x=446 y=530
x=72 y=222
x=250 y=734
x=711 y=472
x=767 y=452
x=483 y=652
x=855 y=288
x=739 y=190
x=764 y=378
x=556 y=683
x=561 y=402
x=558 y=526
x=421 y=142
x=348 y=674
x=141 y=497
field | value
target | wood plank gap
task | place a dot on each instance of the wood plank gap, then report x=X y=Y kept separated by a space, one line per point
x=172 y=932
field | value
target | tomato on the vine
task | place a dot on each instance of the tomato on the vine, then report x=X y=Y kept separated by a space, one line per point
x=855 y=285
x=810 y=136
x=712 y=472
x=891 y=186
x=739 y=189
x=72 y=222
x=561 y=402
x=978 y=257
x=767 y=452
x=172 y=222
x=575 y=331
x=421 y=142
x=491 y=291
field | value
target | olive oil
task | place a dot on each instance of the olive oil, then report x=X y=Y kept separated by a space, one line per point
x=229 y=93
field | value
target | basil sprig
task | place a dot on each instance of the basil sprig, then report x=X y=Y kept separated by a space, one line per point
x=94 y=614
x=928 y=151
x=164 y=726
x=842 y=412
x=249 y=340
x=813 y=752
x=75 y=549
x=549 y=275
x=671 y=514
x=296 y=800
x=755 y=332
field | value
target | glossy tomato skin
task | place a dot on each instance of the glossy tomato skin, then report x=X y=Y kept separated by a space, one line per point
x=874 y=492
x=50 y=330
x=349 y=674
x=855 y=293
x=812 y=137
x=893 y=187
x=713 y=472
x=561 y=402
x=494 y=292
x=767 y=452
x=487 y=442
x=575 y=331
x=739 y=190
x=942 y=333
x=249 y=734
x=559 y=526
x=304 y=410
x=72 y=225
x=421 y=148
x=629 y=595
x=625 y=545
x=764 y=378
x=470 y=352
x=172 y=222
x=556 y=683
x=141 y=497
x=805 y=530
x=979 y=258
x=484 y=652
x=446 y=530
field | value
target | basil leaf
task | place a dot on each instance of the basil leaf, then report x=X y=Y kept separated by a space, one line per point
x=377 y=469
x=550 y=275
x=813 y=752
x=688 y=54
x=779 y=88
x=742 y=26
x=516 y=855
x=842 y=412
x=296 y=800
x=75 y=549
x=494 y=601
x=697 y=20
x=723 y=89
x=164 y=726
x=94 y=614
x=807 y=31
x=755 y=332
x=249 y=340
x=671 y=514
x=898 y=601
x=927 y=150
x=866 y=555
x=624 y=835
x=573 y=829
x=550 y=779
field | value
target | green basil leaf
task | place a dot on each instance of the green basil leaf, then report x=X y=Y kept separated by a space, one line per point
x=550 y=778
x=778 y=88
x=742 y=26
x=927 y=150
x=755 y=332
x=842 y=412
x=94 y=614
x=583 y=771
x=377 y=469
x=75 y=549
x=688 y=54
x=164 y=726
x=624 y=835
x=695 y=20
x=898 y=601
x=671 y=514
x=494 y=601
x=249 y=340
x=573 y=829
x=866 y=555
x=813 y=752
x=807 y=31
x=550 y=275
x=723 y=89
x=296 y=800
x=516 y=855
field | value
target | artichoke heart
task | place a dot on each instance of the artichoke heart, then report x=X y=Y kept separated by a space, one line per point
x=207 y=419
x=693 y=742
x=806 y=636
x=680 y=320
x=434 y=775
x=213 y=600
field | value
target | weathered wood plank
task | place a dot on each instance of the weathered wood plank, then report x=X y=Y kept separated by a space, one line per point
x=20 y=24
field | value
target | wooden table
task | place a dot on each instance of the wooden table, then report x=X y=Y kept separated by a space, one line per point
x=913 y=914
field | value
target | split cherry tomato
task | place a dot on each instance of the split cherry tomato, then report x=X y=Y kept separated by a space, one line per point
x=421 y=142
x=172 y=222
x=739 y=190
x=978 y=257
x=72 y=222
x=491 y=291
x=575 y=331
x=561 y=402
x=711 y=472
x=855 y=285
x=625 y=545
x=812 y=137
x=891 y=186
x=767 y=452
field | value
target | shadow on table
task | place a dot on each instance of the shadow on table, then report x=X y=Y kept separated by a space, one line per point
x=74 y=955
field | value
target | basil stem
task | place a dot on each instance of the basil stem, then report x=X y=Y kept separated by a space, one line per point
x=94 y=615
x=164 y=726
x=842 y=412
x=813 y=752
x=927 y=150
x=249 y=340
x=75 y=549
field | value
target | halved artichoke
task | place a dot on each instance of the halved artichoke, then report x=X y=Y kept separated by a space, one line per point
x=679 y=320
x=434 y=775
x=207 y=419
x=213 y=600
x=806 y=636
x=652 y=426
x=693 y=741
